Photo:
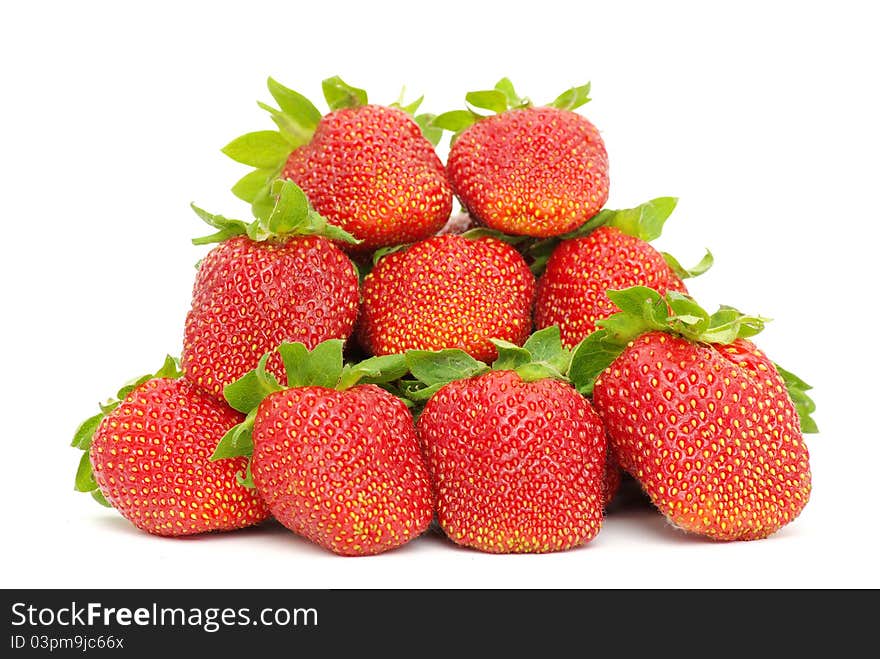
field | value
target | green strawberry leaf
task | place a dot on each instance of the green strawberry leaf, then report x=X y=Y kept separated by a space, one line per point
x=505 y=86
x=490 y=99
x=644 y=221
x=686 y=273
x=443 y=366
x=532 y=371
x=409 y=108
x=291 y=211
x=598 y=220
x=431 y=132
x=591 y=357
x=130 y=386
x=295 y=357
x=341 y=95
x=382 y=252
x=687 y=315
x=455 y=121
x=640 y=301
x=539 y=253
x=302 y=113
x=483 y=232
x=320 y=367
x=324 y=365
x=249 y=186
x=573 y=98
x=510 y=356
x=246 y=479
x=263 y=203
x=85 y=479
x=263 y=149
x=82 y=438
x=804 y=405
x=417 y=392
x=727 y=325
x=246 y=393
x=288 y=213
x=545 y=346
x=238 y=440
x=97 y=496
x=375 y=370
x=170 y=369
x=227 y=228
x=292 y=133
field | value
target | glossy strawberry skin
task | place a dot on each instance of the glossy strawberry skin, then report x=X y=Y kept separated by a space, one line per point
x=571 y=292
x=342 y=468
x=250 y=296
x=515 y=466
x=612 y=478
x=370 y=171
x=710 y=433
x=447 y=292
x=151 y=459
x=537 y=171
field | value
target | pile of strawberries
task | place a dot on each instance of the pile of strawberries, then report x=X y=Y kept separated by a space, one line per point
x=357 y=363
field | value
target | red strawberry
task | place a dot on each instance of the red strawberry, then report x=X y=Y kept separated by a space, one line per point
x=534 y=171
x=447 y=292
x=700 y=417
x=369 y=169
x=250 y=295
x=612 y=478
x=336 y=461
x=616 y=255
x=516 y=455
x=147 y=455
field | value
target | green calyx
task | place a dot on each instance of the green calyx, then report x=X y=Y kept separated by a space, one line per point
x=541 y=356
x=644 y=222
x=644 y=310
x=500 y=99
x=291 y=215
x=797 y=390
x=323 y=366
x=296 y=119
x=82 y=438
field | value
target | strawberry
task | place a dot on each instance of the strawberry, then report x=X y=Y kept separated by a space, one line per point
x=610 y=252
x=334 y=456
x=611 y=483
x=448 y=291
x=516 y=454
x=698 y=415
x=369 y=169
x=526 y=170
x=274 y=280
x=147 y=455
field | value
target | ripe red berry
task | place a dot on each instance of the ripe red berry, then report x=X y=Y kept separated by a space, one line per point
x=516 y=466
x=342 y=468
x=447 y=292
x=250 y=296
x=698 y=415
x=150 y=459
x=535 y=171
x=572 y=291
x=369 y=170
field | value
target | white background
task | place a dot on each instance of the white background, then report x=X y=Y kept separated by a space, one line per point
x=762 y=118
